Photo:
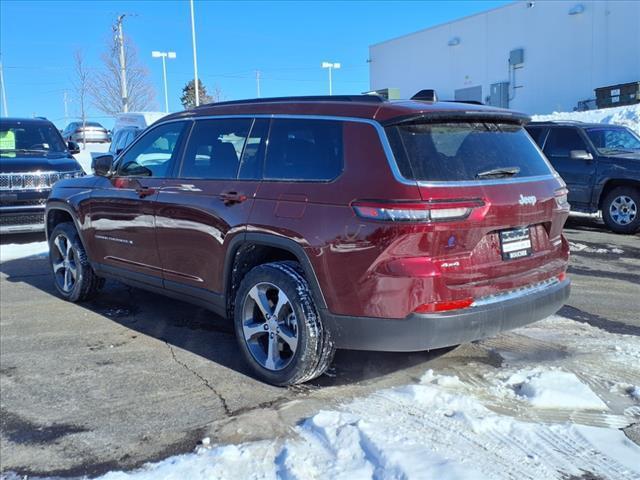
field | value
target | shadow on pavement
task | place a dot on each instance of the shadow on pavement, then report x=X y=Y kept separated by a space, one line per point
x=198 y=330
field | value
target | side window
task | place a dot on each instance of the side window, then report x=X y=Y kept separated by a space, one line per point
x=304 y=150
x=253 y=156
x=537 y=133
x=561 y=141
x=151 y=156
x=215 y=148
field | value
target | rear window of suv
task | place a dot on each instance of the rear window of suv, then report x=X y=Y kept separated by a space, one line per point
x=306 y=150
x=460 y=151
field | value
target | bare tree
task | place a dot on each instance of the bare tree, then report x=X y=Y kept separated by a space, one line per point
x=105 y=90
x=81 y=85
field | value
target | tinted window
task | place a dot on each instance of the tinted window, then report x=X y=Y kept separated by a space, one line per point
x=537 y=133
x=215 y=148
x=251 y=163
x=152 y=155
x=561 y=141
x=304 y=150
x=608 y=139
x=460 y=151
x=30 y=136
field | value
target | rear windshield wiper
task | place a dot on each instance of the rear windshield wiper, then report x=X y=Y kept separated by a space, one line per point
x=499 y=172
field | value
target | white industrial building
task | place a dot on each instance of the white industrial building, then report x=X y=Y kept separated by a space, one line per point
x=535 y=56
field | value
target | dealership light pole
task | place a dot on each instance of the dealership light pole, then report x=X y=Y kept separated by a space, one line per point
x=195 y=56
x=164 y=56
x=330 y=66
x=4 y=93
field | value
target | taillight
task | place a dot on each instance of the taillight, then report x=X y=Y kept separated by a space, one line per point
x=436 y=211
x=561 y=198
x=444 y=306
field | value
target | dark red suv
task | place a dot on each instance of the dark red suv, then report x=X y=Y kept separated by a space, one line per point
x=318 y=223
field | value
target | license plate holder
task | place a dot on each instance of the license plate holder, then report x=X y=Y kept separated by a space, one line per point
x=515 y=243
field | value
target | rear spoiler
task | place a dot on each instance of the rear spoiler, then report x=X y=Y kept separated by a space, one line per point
x=461 y=116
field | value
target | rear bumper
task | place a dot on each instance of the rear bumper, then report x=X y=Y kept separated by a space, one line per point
x=419 y=332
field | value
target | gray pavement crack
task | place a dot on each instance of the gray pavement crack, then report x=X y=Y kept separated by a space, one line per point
x=205 y=382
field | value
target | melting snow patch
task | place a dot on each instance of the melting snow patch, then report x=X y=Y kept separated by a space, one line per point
x=428 y=430
x=554 y=389
x=13 y=251
x=581 y=247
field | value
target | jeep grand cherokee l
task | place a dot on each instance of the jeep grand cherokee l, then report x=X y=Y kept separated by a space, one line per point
x=32 y=158
x=324 y=223
x=601 y=165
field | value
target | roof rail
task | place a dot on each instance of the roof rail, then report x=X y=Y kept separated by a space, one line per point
x=311 y=98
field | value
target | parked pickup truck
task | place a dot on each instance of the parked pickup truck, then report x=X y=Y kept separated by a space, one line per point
x=600 y=165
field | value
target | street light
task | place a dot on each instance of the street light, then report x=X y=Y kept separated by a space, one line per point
x=330 y=66
x=164 y=56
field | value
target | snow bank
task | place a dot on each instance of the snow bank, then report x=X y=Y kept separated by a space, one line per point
x=13 y=251
x=628 y=115
x=554 y=389
x=85 y=156
x=434 y=429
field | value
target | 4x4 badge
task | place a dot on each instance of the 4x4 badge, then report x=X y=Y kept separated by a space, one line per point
x=530 y=200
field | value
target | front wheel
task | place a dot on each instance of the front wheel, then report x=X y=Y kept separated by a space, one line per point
x=280 y=333
x=621 y=210
x=73 y=276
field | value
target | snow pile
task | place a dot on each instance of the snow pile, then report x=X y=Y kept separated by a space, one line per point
x=434 y=429
x=628 y=115
x=554 y=389
x=92 y=150
x=13 y=251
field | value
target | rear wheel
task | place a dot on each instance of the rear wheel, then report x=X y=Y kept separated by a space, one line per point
x=278 y=327
x=621 y=209
x=73 y=276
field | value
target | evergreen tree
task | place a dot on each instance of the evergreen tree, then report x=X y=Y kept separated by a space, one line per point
x=188 y=97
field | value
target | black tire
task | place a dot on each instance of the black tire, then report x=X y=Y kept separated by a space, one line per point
x=610 y=206
x=85 y=284
x=314 y=348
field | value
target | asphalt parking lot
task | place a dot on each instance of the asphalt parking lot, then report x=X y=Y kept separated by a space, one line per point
x=133 y=377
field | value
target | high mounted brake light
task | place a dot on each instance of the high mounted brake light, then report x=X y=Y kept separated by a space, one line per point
x=441 y=211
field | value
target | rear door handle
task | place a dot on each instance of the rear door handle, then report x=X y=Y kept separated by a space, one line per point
x=145 y=191
x=229 y=198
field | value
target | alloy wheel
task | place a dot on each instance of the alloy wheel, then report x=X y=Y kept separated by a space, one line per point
x=623 y=210
x=270 y=326
x=63 y=260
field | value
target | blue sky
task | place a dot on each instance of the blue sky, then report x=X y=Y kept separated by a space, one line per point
x=286 y=41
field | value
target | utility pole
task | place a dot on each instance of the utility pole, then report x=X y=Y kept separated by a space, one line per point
x=123 y=67
x=66 y=108
x=258 y=82
x=4 y=93
x=196 y=83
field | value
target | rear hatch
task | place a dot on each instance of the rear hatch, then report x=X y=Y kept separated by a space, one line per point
x=507 y=206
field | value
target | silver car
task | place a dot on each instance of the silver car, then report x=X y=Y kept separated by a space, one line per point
x=89 y=132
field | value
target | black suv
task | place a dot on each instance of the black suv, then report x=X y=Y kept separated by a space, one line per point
x=33 y=156
x=600 y=165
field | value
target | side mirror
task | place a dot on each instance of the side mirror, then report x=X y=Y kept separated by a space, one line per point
x=102 y=165
x=73 y=147
x=580 y=155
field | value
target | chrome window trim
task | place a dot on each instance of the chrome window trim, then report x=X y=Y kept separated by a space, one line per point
x=385 y=146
